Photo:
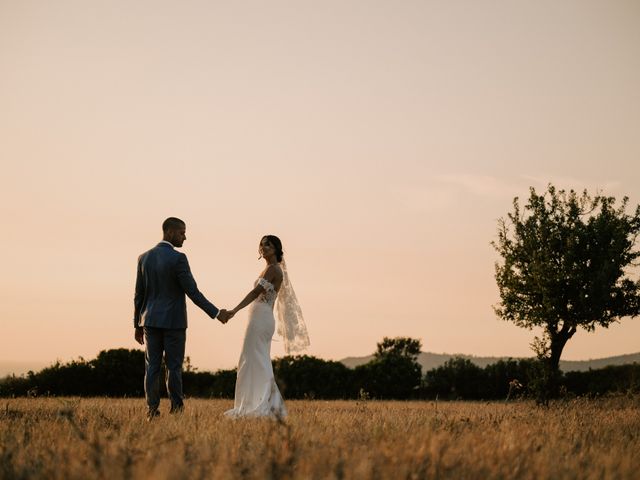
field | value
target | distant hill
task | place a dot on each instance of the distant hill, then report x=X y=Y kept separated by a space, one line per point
x=427 y=360
x=430 y=360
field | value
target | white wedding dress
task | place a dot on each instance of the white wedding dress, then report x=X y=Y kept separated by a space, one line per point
x=257 y=394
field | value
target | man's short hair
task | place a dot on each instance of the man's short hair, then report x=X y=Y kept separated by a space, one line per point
x=172 y=223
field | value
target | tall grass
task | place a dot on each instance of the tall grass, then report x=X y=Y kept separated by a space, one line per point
x=106 y=438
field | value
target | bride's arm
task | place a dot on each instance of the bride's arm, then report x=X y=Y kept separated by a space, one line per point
x=271 y=275
x=251 y=296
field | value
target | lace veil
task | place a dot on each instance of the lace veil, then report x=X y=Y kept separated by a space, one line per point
x=291 y=324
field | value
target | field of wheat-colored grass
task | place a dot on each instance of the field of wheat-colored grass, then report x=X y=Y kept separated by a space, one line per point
x=110 y=438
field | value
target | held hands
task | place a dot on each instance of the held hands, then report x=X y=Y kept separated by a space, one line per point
x=225 y=315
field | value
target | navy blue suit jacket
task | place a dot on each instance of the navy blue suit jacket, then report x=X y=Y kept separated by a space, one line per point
x=163 y=279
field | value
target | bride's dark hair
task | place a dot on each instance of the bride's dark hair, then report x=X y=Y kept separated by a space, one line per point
x=277 y=244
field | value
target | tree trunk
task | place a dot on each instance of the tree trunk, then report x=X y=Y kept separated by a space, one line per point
x=559 y=339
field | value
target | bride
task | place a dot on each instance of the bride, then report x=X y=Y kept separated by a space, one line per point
x=256 y=393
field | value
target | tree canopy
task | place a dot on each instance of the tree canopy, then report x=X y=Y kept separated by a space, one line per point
x=399 y=347
x=567 y=263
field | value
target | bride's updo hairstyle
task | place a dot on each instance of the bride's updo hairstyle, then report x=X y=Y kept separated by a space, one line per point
x=277 y=244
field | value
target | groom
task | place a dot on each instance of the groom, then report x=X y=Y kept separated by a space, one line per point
x=160 y=313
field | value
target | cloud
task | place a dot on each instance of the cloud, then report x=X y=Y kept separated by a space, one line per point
x=444 y=190
x=431 y=198
x=494 y=187
x=481 y=185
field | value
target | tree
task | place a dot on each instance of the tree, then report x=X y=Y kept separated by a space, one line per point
x=457 y=378
x=505 y=378
x=220 y=384
x=119 y=372
x=304 y=376
x=394 y=371
x=400 y=347
x=566 y=265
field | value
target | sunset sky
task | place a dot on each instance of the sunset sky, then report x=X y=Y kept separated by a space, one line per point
x=381 y=141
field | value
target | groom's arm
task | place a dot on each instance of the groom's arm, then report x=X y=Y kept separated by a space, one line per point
x=138 y=298
x=188 y=284
x=138 y=302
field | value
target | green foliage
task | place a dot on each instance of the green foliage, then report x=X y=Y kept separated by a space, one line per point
x=120 y=373
x=566 y=261
x=457 y=378
x=399 y=347
x=220 y=384
x=388 y=377
x=304 y=376
x=612 y=379
x=394 y=371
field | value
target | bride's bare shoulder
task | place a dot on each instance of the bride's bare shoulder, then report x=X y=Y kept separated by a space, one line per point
x=275 y=270
x=273 y=274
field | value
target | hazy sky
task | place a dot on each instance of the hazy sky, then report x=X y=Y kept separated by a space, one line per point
x=380 y=140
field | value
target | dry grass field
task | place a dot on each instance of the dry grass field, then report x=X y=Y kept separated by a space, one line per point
x=110 y=439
